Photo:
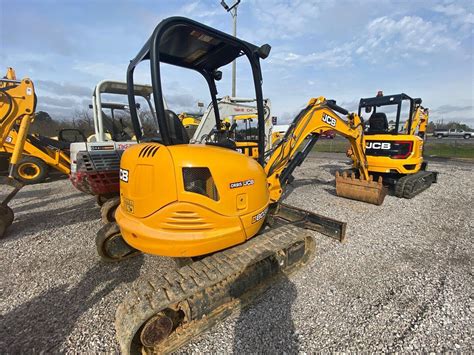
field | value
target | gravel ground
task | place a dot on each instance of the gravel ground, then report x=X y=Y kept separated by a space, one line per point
x=402 y=281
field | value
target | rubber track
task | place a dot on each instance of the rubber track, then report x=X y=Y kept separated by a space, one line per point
x=400 y=186
x=151 y=295
x=408 y=186
x=417 y=183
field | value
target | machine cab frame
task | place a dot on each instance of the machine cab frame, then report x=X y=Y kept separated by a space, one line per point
x=372 y=103
x=200 y=48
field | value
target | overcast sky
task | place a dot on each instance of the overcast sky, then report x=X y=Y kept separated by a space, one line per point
x=342 y=49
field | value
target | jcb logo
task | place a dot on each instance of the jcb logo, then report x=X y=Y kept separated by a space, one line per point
x=378 y=145
x=124 y=175
x=329 y=120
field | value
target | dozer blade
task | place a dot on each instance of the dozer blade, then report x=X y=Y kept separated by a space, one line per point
x=358 y=189
x=286 y=214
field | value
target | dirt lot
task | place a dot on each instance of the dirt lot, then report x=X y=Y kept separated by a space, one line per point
x=402 y=282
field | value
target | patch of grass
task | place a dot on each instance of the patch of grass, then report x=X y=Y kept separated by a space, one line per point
x=331 y=145
x=450 y=150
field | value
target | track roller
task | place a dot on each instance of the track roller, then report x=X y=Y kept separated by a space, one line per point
x=111 y=246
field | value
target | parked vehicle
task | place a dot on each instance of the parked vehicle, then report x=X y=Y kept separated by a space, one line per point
x=453 y=133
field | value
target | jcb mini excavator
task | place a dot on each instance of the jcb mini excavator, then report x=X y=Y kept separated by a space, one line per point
x=17 y=105
x=394 y=154
x=206 y=202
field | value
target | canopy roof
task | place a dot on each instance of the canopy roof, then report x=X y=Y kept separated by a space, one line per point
x=384 y=100
x=118 y=87
x=186 y=43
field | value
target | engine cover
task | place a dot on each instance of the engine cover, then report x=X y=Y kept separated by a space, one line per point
x=189 y=200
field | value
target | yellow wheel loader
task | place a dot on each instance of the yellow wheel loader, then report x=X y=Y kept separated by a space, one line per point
x=207 y=204
x=17 y=106
x=40 y=154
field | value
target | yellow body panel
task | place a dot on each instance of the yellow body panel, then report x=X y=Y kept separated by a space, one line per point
x=408 y=165
x=159 y=215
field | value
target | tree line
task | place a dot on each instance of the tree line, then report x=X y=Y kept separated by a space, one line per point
x=82 y=119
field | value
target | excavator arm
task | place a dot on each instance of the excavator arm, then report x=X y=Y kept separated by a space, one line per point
x=419 y=121
x=318 y=117
x=17 y=105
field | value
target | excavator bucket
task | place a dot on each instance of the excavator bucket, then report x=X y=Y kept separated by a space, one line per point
x=359 y=189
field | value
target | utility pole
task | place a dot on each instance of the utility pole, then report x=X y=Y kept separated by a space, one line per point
x=233 y=11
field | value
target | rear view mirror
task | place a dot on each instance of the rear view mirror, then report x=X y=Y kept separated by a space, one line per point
x=264 y=51
x=71 y=135
x=217 y=75
x=368 y=109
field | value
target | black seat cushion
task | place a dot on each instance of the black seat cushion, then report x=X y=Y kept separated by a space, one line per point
x=177 y=132
x=378 y=123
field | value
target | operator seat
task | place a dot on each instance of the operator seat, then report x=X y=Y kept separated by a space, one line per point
x=178 y=133
x=378 y=123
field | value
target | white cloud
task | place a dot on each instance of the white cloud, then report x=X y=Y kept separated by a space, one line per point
x=409 y=34
x=384 y=39
x=102 y=71
x=449 y=109
x=333 y=58
x=197 y=9
x=461 y=15
x=63 y=88
x=280 y=19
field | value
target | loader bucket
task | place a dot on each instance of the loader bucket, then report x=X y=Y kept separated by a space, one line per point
x=359 y=189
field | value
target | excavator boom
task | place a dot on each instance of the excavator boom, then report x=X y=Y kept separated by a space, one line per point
x=17 y=105
x=318 y=117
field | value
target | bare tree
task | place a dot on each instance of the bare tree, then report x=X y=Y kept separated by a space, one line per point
x=82 y=120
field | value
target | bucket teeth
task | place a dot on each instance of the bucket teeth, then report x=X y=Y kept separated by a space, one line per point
x=369 y=191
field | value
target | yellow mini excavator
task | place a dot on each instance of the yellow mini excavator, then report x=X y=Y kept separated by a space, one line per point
x=393 y=153
x=207 y=204
x=17 y=106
